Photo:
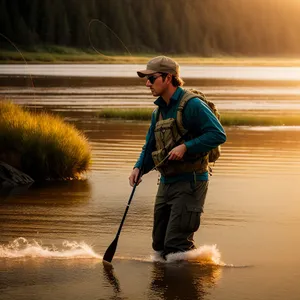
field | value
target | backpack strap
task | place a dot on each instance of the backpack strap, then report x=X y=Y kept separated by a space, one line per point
x=187 y=95
x=157 y=114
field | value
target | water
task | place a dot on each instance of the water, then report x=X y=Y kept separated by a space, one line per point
x=53 y=235
x=129 y=70
x=83 y=99
x=251 y=215
x=266 y=89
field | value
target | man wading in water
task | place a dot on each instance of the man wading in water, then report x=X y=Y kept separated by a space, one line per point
x=182 y=159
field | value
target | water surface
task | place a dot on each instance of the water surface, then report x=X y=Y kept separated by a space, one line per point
x=251 y=215
x=80 y=99
x=129 y=70
x=53 y=235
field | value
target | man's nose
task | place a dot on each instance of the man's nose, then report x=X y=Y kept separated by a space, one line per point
x=148 y=83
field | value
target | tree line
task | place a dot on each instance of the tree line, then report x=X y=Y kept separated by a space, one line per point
x=197 y=27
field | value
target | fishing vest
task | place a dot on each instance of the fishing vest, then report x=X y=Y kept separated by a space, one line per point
x=170 y=133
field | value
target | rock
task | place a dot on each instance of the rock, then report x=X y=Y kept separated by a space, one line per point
x=11 y=177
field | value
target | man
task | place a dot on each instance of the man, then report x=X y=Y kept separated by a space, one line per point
x=182 y=159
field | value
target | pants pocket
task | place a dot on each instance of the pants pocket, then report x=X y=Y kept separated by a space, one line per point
x=190 y=219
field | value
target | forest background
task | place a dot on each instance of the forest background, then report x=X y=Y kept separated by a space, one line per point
x=189 y=27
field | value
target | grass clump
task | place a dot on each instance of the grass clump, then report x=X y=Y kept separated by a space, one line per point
x=256 y=119
x=126 y=113
x=41 y=145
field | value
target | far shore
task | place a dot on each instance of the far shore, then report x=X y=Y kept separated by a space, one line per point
x=75 y=56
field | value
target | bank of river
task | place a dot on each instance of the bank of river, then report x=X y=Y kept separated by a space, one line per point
x=76 y=56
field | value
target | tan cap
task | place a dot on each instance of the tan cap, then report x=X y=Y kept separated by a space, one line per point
x=160 y=64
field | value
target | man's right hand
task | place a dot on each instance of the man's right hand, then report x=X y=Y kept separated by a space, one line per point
x=133 y=177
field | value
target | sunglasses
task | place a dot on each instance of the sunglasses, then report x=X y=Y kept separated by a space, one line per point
x=152 y=78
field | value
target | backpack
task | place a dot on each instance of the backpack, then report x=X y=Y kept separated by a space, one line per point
x=215 y=153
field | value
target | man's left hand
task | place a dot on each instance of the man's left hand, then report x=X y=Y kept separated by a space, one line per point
x=177 y=152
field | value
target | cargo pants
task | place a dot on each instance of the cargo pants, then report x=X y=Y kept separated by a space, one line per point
x=177 y=214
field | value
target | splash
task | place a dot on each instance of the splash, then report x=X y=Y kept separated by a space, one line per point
x=207 y=254
x=22 y=248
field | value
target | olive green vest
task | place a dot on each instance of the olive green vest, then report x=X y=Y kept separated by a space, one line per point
x=170 y=133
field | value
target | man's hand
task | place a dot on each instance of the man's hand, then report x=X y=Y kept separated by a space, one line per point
x=177 y=152
x=133 y=177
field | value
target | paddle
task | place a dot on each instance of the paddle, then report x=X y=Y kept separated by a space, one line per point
x=110 y=252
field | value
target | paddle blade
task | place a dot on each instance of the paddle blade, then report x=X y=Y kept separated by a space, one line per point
x=110 y=252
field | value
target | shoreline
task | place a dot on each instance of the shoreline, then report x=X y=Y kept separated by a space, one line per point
x=75 y=56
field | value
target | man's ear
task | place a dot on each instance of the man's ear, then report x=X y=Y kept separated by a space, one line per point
x=169 y=78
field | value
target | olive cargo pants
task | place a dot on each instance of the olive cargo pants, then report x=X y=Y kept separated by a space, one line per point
x=177 y=213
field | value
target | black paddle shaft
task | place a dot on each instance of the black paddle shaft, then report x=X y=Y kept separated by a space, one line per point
x=110 y=252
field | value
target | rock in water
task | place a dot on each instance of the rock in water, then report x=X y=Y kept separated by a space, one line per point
x=11 y=177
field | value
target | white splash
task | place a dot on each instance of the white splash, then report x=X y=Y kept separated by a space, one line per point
x=21 y=248
x=208 y=254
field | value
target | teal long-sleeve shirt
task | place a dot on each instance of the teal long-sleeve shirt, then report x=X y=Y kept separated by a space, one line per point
x=198 y=119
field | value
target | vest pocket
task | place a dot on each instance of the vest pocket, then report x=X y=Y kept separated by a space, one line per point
x=190 y=218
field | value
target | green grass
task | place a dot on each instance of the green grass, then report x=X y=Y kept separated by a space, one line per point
x=60 y=54
x=239 y=118
x=127 y=114
x=46 y=57
x=41 y=145
x=252 y=119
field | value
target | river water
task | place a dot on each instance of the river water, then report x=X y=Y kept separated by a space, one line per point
x=53 y=236
x=129 y=70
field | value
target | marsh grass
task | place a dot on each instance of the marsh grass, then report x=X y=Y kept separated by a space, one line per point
x=126 y=113
x=237 y=118
x=47 y=57
x=41 y=145
x=253 y=118
x=60 y=54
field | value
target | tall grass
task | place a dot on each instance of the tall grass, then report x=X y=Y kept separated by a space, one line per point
x=61 y=54
x=126 y=113
x=41 y=145
x=227 y=118
x=256 y=119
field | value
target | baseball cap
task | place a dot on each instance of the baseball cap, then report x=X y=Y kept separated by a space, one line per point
x=160 y=64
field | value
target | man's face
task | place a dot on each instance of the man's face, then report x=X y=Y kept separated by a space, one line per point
x=156 y=83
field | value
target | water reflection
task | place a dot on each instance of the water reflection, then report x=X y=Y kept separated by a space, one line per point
x=109 y=275
x=45 y=211
x=58 y=192
x=6 y=193
x=183 y=280
x=250 y=152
